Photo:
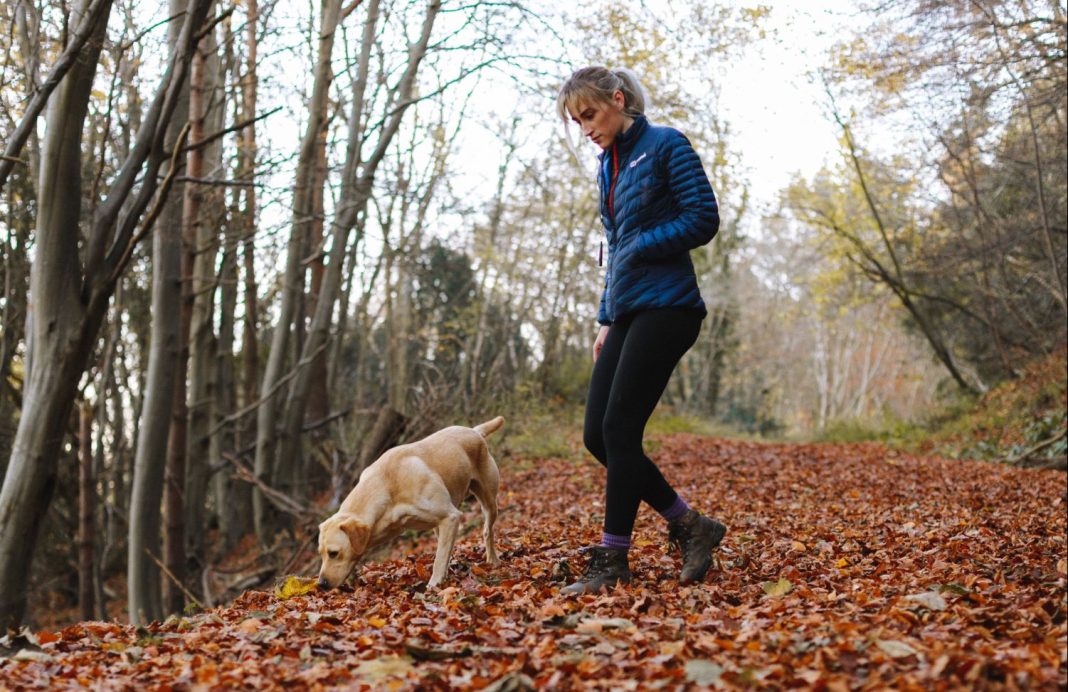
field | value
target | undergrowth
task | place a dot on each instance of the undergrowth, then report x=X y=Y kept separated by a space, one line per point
x=1021 y=421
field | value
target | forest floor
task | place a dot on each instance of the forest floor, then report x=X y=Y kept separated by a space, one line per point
x=845 y=566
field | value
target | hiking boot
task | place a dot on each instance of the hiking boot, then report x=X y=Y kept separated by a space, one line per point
x=696 y=536
x=607 y=567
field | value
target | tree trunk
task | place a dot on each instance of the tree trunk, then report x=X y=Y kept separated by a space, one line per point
x=204 y=214
x=28 y=22
x=143 y=578
x=178 y=501
x=86 y=511
x=233 y=498
x=894 y=280
x=266 y=414
x=151 y=456
x=111 y=477
x=57 y=331
x=319 y=397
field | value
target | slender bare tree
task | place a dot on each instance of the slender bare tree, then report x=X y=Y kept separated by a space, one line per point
x=292 y=283
x=357 y=180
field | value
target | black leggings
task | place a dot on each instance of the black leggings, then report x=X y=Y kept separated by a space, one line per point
x=636 y=361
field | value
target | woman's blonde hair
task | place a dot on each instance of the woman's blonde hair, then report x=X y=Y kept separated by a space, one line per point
x=598 y=84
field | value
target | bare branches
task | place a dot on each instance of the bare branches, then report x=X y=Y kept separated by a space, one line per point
x=96 y=12
x=208 y=139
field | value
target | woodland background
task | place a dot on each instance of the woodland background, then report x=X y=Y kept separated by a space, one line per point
x=244 y=251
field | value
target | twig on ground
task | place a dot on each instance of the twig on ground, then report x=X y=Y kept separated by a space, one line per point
x=174 y=579
x=1022 y=457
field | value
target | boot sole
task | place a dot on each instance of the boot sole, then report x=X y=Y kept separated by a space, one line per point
x=579 y=588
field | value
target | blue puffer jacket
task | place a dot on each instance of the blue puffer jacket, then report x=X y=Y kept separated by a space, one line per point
x=663 y=207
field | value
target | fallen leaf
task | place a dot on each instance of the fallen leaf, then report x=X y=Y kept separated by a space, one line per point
x=31 y=655
x=778 y=588
x=250 y=626
x=931 y=600
x=512 y=682
x=895 y=648
x=295 y=586
x=550 y=610
x=939 y=665
x=701 y=671
x=599 y=624
x=380 y=668
x=46 y=637
x=672 y=648
x=421 y=651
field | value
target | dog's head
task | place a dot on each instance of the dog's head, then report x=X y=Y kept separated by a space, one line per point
x=342 y=542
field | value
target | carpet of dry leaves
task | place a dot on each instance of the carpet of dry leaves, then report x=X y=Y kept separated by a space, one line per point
x=845 y=567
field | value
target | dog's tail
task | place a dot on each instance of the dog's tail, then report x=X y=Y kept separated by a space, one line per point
x=490 y=427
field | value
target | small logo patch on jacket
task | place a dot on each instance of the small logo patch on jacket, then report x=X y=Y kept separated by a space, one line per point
x=635 y=161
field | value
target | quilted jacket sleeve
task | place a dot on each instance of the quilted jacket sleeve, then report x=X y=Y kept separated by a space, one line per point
x=698 y=217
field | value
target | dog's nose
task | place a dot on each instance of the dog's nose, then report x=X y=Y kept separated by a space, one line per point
x=323 y=585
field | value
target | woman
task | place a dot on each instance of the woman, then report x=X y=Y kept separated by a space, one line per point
x=656 y=206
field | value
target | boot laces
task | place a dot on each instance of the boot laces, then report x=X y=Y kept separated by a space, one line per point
x=679 y=536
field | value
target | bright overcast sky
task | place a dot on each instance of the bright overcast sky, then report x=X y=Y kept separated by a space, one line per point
x=777 y=112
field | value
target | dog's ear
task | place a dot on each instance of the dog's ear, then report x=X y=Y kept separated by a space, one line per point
x=358 y=533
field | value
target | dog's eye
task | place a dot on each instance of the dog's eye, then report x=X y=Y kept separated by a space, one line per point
x=332 y=554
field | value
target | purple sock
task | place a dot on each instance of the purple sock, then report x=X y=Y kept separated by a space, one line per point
x=676 y=510
x=619 y=542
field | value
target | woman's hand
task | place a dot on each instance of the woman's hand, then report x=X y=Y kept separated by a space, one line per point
x=599 y=342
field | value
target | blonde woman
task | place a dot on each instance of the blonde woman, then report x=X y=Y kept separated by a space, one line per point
x=656 y=206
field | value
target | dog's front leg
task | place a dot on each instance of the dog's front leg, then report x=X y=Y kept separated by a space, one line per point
x=447 y=530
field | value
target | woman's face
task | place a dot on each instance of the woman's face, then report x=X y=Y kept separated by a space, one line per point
x=601 y=121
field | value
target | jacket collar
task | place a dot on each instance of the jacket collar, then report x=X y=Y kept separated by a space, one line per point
x=624 y=142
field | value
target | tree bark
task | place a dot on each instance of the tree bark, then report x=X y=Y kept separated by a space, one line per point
x=204 y=213
x=233 y=498
x=154 y=464
x=86 y=513
x=177 y=500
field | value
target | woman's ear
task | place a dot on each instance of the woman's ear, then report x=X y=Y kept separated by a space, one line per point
x=619 y=99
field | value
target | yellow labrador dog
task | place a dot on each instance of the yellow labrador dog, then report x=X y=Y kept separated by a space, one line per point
x=414 y=486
